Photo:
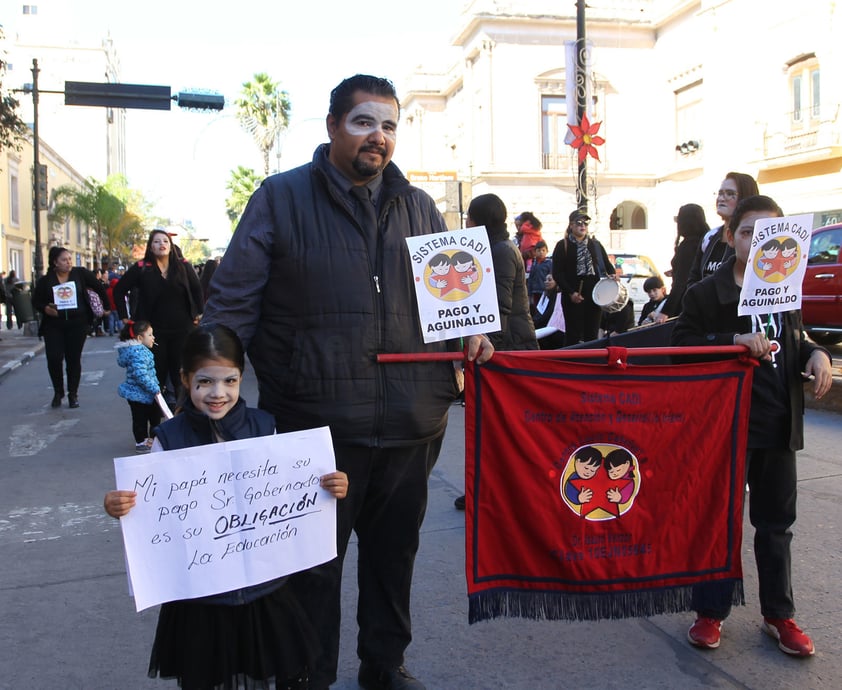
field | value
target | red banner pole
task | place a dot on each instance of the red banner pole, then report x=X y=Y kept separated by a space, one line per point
x=571 y=354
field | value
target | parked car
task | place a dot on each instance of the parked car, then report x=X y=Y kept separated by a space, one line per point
x=821 y=291
x=634 y=269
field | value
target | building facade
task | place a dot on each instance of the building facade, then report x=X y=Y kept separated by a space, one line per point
x=684 y=91
x=17 y=212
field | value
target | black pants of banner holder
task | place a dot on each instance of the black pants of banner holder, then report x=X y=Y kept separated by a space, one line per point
x=385 y=506
x=772 y=493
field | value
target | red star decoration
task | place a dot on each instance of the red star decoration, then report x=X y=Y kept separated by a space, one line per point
x=585 y=139
x=600 y=484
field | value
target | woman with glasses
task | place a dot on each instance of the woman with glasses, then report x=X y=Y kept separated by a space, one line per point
x=713 y=249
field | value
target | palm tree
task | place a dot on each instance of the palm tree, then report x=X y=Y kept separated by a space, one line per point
x=243 y=183
x=263 y=111
x=112 y=210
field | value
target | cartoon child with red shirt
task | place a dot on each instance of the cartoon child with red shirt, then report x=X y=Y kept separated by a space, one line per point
x=587 y=462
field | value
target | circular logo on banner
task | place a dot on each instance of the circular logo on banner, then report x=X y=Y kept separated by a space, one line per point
x=452 y=275
x=777 y=259
x=600 y=481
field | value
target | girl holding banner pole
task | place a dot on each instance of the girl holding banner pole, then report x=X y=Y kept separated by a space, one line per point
x=253 y=637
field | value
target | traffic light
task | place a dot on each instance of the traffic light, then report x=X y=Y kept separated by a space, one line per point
x=199 y=101
x=41 y=191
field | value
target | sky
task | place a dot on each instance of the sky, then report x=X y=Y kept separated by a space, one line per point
x=182 y=160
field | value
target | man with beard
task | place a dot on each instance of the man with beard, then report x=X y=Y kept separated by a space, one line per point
x=317 y=281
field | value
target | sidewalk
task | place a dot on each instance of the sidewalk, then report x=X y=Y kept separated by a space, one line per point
x=16 y=349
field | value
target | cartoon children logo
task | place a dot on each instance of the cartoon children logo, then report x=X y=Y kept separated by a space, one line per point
x=600 y=481
x=452 y=275
x=777 y=259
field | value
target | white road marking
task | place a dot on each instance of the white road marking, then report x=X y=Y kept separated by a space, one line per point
x=30 y=439
x=46 y=523
x=91 y=378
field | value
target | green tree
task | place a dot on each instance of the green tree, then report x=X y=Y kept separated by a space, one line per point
x=242 y=184
x=263 y=111
x=12 y=128
x=112 y=210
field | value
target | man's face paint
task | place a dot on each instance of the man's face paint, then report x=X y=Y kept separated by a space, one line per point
x=372 y=116
x=362 y=144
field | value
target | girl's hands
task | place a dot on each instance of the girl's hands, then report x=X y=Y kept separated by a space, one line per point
x=336 y=483
x=119 y=503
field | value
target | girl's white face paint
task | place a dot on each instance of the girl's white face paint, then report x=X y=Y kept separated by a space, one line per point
x=214 y=387
x=371 y=116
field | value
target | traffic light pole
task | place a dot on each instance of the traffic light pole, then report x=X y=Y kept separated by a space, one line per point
x=38 y=258
x=104 y=95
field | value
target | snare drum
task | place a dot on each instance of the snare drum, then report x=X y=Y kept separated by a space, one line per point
x=610 y=294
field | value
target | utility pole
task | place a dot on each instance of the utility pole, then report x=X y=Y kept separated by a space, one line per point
x=38 y=259
x=581 y=102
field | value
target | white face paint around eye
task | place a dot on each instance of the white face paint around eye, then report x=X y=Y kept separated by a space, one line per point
x=370 y=116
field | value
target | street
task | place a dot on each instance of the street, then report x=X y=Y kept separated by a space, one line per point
x=67 y=620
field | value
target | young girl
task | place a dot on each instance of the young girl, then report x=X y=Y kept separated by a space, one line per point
x=134 y=353
x=255 y=637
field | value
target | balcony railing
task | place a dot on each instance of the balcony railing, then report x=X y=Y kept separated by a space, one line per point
x=789 y=137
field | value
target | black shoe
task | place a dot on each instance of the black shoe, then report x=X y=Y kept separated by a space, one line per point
x=57 y=400
x=373 y=678
x=459 y=503
x=73 y=401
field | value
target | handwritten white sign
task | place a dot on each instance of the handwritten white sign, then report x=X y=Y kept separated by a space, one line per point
x=224 y=516
x=454 y=284
x=776 y=265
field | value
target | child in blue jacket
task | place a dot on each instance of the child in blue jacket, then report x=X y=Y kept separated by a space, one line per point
x=134 y=353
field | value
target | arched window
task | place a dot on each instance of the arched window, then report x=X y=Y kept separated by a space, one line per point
x=628 y=215
x=804 y=88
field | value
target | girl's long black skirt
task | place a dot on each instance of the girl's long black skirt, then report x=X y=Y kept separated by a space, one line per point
x=265 y=644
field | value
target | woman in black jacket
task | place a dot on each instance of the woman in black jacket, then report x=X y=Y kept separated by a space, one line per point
x=516 y=329
x=691 y=227
x=164 y=290
x=61 y=297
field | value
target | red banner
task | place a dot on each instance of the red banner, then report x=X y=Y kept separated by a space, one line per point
x=595 y=491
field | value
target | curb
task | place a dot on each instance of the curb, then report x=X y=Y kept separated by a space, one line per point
x=19 y=361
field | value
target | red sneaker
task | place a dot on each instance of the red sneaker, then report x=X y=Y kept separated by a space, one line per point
x=791 y=639
x=705 y=632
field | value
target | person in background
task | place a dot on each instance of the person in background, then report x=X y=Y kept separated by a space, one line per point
x=654 y=287
x=255 y=637
x=541 y=268
x=11 y=279
x=313 y=343
x=713 y=249
x=579 y=261
x=61 y=297
x=114 y=323
x=208 y=270
x=549 y=317
x=516 y=329
x=775 y=429
x=165 y=291
x=691 y=227
x=134 y=354
x=529 y=234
